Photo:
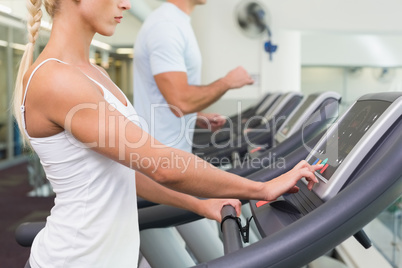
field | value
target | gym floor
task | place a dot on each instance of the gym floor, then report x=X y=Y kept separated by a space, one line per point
x=15 y=208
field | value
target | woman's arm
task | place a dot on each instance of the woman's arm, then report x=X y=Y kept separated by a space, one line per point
x=209 y=208
x=75 y=103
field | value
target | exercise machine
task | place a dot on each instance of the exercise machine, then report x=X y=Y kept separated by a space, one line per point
x=203 y=138
x=361 y=176
x=308 y=121
x=259 y=132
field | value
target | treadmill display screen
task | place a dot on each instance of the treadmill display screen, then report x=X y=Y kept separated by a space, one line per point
x=299 y=113
x=345 y=136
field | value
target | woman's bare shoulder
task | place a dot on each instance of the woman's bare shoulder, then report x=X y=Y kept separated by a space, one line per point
x=55 y=78
x=57 y=88
x=50 y=72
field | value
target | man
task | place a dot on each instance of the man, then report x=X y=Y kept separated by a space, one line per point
x=167 y=77
x=169 y=98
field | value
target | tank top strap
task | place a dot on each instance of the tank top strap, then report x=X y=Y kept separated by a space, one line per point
x=94 y=65
x=26 y=89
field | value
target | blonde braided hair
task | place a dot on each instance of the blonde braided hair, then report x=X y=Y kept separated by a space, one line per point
x=33 y=25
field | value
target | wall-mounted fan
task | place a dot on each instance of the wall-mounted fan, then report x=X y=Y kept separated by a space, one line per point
x=384 y=75
x=354 y=72
x=254 y=20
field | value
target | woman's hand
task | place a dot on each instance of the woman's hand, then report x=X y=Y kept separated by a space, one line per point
x=286 y=183
x=211 y=208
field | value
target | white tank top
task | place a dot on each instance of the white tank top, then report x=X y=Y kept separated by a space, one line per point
x=94 y=222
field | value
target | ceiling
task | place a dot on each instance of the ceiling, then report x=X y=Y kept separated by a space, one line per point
x=307 y=16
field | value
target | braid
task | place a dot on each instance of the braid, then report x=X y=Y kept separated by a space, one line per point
x=34 y=19
x=33 y=23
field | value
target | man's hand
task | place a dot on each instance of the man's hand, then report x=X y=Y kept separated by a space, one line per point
x=210 y=121
x=237 y=78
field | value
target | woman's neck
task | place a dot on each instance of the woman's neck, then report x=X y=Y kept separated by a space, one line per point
x=70 y=43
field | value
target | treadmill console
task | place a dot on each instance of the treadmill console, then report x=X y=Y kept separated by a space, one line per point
x=267 y=103
x=349 y=140
x=284 y=130
x=360 y=177
x=302 y=115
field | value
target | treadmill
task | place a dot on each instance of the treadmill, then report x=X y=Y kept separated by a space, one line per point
x=307 y=121
x=361 y=176
x=356 y=184
x=353 y=190
x=261 y=131
x=203 y=138
x=299 y=228
x=313 y=115
x=203 y=244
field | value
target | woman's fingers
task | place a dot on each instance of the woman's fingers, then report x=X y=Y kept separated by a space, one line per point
x=303 y=166
x=308 y=174
x=317 y=167
x=286 y=183
x=234 y=203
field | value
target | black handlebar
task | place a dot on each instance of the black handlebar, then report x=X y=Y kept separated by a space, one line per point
x=230 y=230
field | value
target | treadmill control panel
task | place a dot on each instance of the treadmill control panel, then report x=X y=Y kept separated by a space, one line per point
x=345 y=137
x=348 y=141
x=313 y=109
x=303 y=107
x=359 y=139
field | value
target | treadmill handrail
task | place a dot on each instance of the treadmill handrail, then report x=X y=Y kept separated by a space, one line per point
x=230 y=230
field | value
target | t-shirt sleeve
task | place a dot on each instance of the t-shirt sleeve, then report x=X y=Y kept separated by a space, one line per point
x=166 y=45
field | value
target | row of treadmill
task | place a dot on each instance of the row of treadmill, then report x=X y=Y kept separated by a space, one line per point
x=361 y=153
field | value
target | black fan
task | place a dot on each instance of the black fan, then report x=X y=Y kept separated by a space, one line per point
x=253 y=20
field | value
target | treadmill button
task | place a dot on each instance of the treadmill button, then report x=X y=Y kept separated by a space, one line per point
x=255 y=150
x=324 y=168
x=261 y=203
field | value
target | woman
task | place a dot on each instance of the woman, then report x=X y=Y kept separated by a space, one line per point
x=95 y=155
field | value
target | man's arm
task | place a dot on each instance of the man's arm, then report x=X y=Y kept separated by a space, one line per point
x=185 y=98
